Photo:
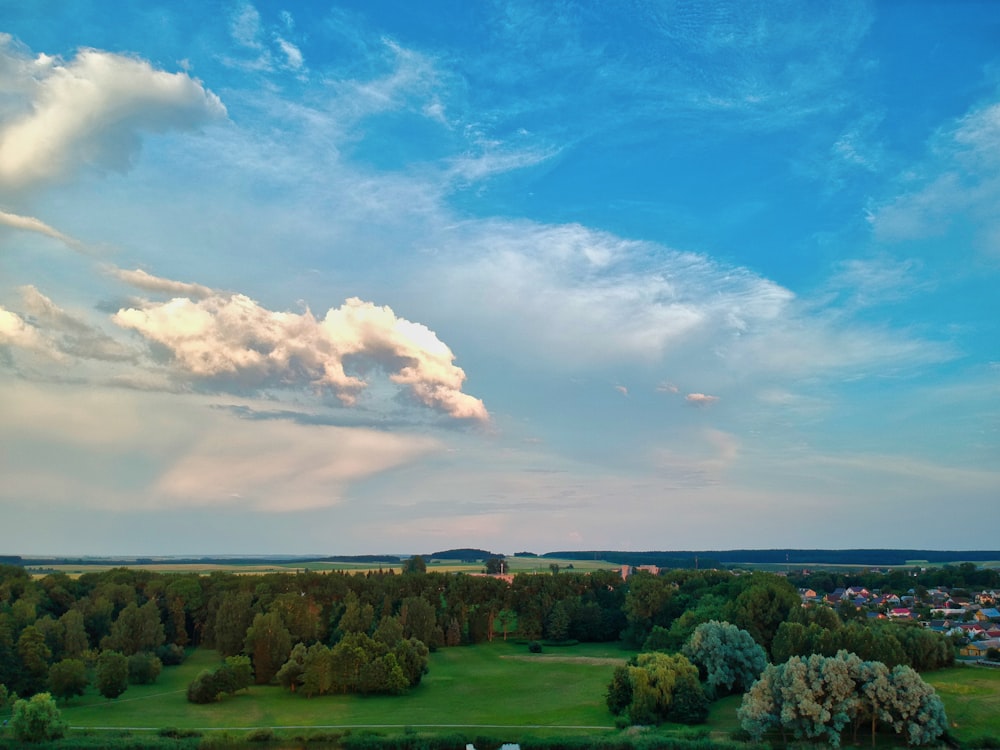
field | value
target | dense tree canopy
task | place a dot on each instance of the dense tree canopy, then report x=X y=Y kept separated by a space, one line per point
x=819 y=698
x=728 y=659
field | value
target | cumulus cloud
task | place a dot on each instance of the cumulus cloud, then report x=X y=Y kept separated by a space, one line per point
x=89 y=111
x=700 y=399
x=233 y=337
x=15 y=331
x=149 y=283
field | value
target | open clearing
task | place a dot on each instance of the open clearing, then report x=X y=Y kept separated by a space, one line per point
x=473 y=686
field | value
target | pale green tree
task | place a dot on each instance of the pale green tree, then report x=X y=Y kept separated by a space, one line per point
x=729 y=660
x=37 y=719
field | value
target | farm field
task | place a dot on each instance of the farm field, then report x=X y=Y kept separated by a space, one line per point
x=513 y=565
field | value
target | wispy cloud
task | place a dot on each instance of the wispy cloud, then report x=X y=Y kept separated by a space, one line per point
x=149 y=283
x=958 y=182
x=31 y=224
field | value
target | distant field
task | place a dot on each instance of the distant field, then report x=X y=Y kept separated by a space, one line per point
x=513 y=565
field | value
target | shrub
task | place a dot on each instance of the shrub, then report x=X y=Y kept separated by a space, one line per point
x=535 y=647
x=143 y=669
x=37 y=719
x=170 y=654
x=262 y=734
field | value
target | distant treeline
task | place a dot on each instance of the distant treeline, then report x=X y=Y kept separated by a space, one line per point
x=719 y=558
x=466 y=553
x=686 y=560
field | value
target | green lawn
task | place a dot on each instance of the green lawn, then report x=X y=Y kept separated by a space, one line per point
x=971 y=698
x=489 y=685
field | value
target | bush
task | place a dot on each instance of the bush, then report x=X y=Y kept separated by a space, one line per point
x=535 y=647
x=204 y=688
x=37 y=719
x=143 y=669
x=178 y=734
x=261 y=735
x=170 y=654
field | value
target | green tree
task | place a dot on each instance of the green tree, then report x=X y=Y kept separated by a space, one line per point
x=34 y=654
x=729 y=660
x=557 y=626
x=37 y=719
x=290 y=676
x=111 y=677
x=136 y=629
x=143 y=668
x=765 y=603
x=495 y=565
x=68 y=678
x=646 y=689
x=818 y=697
x=415 y=564
x=269 y=643
x=232 y=619
x=419 y=619
x=75 y=640
x=357 y=618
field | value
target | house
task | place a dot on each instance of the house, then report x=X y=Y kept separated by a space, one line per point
x=835 y=596
x=978 y=649
x=990 y=614
x=857 y=591
x=900 y=612
x=808 y=595
x=628 y=570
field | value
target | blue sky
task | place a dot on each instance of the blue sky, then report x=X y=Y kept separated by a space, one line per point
x=396 y=277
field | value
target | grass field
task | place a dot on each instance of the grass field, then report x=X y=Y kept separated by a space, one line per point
x=488 y=689
x=498 y=685
x=971 y=698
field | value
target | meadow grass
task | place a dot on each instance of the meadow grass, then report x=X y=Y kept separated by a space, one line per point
x=490 y=685
x=971 y=698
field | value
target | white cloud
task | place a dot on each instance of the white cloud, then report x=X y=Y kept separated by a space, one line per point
x=89 y=111
x=15 y=331
x=700 y=399
x=589 y=296
x=147 y=282
x=958 y=183
x=234 y=337
x=31 y=224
